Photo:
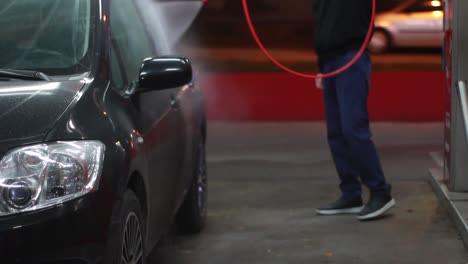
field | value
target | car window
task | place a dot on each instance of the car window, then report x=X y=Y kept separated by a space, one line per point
x=425 y=6
x=53 y=36
x=131 y=43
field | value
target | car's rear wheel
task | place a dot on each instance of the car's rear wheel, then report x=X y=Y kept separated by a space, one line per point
x=128 y=239
x=380 y=42
x=192 y=214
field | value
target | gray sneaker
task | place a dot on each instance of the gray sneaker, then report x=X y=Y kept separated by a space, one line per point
x=342 y=206
x=377 y=206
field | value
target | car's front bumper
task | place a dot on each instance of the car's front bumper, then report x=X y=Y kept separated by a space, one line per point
x=75 y=232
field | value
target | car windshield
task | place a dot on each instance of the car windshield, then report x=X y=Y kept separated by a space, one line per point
x=51 y=36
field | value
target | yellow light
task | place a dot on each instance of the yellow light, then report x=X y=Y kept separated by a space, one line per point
x=437 y=13
x=104 y=18
x=436 y=3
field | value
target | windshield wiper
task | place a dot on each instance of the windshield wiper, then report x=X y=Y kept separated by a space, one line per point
x=24 y=75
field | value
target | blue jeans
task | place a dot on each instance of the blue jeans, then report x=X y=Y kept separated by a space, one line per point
x=348 y=130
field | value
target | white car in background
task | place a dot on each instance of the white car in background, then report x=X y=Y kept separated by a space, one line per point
x=414 y=23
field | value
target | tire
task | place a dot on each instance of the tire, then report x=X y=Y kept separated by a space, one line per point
x=128 y=241
x=380 y=42
x=191 y=217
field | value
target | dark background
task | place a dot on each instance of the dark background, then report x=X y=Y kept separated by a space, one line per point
x=280 y=23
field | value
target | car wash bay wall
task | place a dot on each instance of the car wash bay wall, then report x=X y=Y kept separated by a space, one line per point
x=281 y=24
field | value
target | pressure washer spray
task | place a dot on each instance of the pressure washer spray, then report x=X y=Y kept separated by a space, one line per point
x=312 y=76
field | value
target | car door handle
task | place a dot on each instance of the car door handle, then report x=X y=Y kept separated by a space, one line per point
x=174 y=102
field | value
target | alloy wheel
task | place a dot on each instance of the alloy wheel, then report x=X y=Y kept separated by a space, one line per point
x=380 y=42
x=132 y=246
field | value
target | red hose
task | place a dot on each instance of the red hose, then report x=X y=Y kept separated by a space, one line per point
x=313 y=76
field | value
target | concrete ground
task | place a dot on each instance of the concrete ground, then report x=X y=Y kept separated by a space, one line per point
x=267 y=179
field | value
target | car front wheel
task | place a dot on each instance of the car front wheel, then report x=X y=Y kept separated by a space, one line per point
x=132 y=244
x=127 y=242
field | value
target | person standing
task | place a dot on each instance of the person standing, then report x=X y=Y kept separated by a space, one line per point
x=340 y=29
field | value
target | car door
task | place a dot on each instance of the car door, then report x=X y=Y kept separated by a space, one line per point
x=422 y=24
x=157 y=112
x=182 y=108
x=188 y=132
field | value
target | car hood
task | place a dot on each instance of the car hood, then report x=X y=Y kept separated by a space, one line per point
x=28 y=110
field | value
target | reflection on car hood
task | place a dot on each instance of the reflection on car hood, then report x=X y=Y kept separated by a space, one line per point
x=29 y=109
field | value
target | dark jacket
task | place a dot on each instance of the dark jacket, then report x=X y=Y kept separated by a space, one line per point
x=340 y=26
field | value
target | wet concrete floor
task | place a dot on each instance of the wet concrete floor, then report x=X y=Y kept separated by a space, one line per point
x=267 y=179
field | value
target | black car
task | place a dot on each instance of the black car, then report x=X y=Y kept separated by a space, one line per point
x=102 y=138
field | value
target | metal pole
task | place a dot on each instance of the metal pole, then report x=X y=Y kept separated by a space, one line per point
x=464 y=105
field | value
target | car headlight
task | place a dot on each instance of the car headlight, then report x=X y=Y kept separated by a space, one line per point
x=45 y=175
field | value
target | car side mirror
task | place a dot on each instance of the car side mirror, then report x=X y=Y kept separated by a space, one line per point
x=162 y=73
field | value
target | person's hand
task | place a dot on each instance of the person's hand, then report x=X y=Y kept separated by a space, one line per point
x=319 y=82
